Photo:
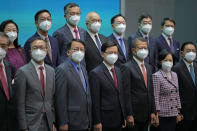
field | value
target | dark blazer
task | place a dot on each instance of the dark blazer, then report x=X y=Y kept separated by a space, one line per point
x=54 y=48
x=152 y=56
x=64 y=36
x=31 y=103
x=92 y=55
x=139 y=99
x=187 y=90
x=162 y=44
x=7 y=108
x=108 y=107
x=121 y=58
x=73 y=104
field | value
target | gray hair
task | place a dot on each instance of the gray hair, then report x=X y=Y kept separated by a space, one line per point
x=141 y=39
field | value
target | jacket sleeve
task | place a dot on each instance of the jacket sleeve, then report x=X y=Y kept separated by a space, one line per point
x=156 y=87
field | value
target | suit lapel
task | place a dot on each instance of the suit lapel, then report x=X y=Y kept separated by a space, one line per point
x=68 y=33
x=86 y=78
x=81 y=33
x=165 y=44
x=170 y=81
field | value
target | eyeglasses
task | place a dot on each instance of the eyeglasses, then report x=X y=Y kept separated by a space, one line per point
x=78 y=49
x=111 y=52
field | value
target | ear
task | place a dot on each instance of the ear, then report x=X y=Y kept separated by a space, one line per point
x=138 y=25
x=133 y=51
x=36 y=23
x=182 y=53
x=102 y=54
x=68 y=52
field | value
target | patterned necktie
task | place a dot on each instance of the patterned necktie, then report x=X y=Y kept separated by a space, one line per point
x=42 y=79
x=144 y=74
x=76 y=33
x=82 y=78
x=4 y=83
x=192 y=73
x=48 y=48
x=122 y=45
x=171 y=45
x=98 y=43
x=115 y=78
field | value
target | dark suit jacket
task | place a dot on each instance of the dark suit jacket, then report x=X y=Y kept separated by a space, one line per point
x=187 y=90
x=162 y=44
x=7 y=108
x=152 y=56
x=92 y=55
x=31 y=103
x=64 y=36
x=121 y=58
x=54 y=48
x=108 y=107
x=73 y=104
x=139 y=99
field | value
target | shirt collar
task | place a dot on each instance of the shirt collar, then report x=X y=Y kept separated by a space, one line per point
x=187 y=64
x=165 y=36
x=117 y=36
x=143 y=35
x=37 y=65
x=73 y=63
x=108 y=67
x=71 y=28
x=91 y=34
x=42 y=37
x=138 y=62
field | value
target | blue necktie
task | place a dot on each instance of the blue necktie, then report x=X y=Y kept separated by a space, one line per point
x=82 y=78
x=192 y=73
x=98 y=43
x=122 y=45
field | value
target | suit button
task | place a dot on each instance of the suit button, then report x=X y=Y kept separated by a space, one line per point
x=170 y=99
x=176 y=106
x=171 y=107
x=171 y=91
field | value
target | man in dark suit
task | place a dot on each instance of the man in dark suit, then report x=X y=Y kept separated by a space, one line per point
x=72 y=99
x=43 y=24
x=69 y=31
x=35 y=91
x=186 y=71
x=166 y=41
x=107 y=91
x=118 y=24
x=7 y=107
x=93 y=41
x=138 y=87
x=144 y=28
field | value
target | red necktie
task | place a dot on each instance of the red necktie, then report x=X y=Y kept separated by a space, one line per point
x=115 y=78
x=144 y=74
x=4 y=83
x=42 y=78
x=76 y=33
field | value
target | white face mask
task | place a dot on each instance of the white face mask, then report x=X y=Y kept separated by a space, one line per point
x=146 y=28
x=38 y=55
x=12 y=36
x=168 y=31
x=2 y=53
x=166 y=66
x=95 y=27
x=78 y=56
x=120 y=28
x=111 y=58
x=45 y=25
x=74 y=20
x=190 y=56
x=142 y=53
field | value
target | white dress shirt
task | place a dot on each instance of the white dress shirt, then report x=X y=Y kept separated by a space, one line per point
x=109 y=68
x=93 y=37
x=166 y=38
x=139 y=63
x=72 y=31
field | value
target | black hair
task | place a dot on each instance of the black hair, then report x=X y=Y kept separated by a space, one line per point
x=114 y=17
x=38 y=38
x=167 y=19
x=187 y=43
x=69 y=5
x=39 y=12
x=107 y=45
x=142 y=16
x=136 y=40
x=2 y=28
x=74 y=40
x=162 y=56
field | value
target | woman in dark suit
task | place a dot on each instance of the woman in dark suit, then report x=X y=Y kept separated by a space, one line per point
x=166 y=93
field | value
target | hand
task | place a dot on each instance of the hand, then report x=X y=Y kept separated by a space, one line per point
x=179 y=118
x=130 y=121
x=153 y=119
x=54 y=128
x=124 y=124
x=157 y=120
x=98 y=127
x=64 y=128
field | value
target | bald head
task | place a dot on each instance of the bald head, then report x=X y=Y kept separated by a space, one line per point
x=92 y=15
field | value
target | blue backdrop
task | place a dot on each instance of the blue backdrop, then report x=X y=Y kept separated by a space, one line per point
x=23 y=11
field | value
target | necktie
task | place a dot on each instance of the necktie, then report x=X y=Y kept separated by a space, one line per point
x=82 y=78
x=98 y=43
x=122 y=46
x=48 y=48
x=144 y=74
x=146 y=37
x=192 y=73
x=115 y=78
x=76 y=33
x=171 y=45
x=42 y=78
x=4 y=83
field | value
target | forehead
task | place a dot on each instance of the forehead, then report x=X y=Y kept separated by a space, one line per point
x=112 y=48
x=94 y=16
x=146 y=19
x=141 y=43
x=169 y=56
x=76 y=44
x=44 y=14
x=73 y=9
x=3 y=40
x=167 y=22
x=10 y=26
x=189 y=46
x=119 y=18
x=38 y=43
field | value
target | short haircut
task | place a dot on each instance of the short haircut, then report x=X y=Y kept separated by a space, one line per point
x=37 y=38
x=107 y=45
x=69 y=5
x=142 y=16
x=114 y=17
x=74 y=40
x=2 y=34
x=2 y=28
x=162 y=55
x=187 y=43
x=39 y=12
x=167 y=19
x=137 y=40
